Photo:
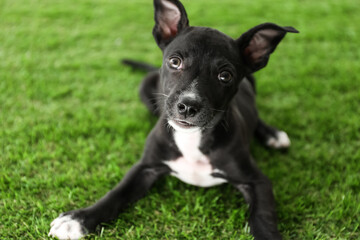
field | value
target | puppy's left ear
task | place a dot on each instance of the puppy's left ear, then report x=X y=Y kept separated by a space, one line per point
x=258 y=43
x=170 y=19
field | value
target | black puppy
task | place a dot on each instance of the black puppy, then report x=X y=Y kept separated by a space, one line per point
x=207 y=119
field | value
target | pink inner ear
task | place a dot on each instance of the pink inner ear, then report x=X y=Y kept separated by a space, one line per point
x=169 y=19
x=260 y=44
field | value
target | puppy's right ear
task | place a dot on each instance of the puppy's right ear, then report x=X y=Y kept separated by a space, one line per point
x=170 y=19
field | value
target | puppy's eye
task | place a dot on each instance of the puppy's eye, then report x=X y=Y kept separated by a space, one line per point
x=175 y=63
x=225 y=77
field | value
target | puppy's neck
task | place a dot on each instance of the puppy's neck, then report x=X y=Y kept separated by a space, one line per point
x=188 y=143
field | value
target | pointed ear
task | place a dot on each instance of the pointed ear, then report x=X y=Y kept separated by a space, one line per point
x=170 y=19
x=258 y=43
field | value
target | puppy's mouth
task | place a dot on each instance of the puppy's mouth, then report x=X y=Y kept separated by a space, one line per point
x=183 y=126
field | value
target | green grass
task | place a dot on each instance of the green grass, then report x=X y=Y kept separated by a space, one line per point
x=72 y=123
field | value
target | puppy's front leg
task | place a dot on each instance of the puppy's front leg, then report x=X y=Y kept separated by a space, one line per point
x=75 y=224
x=263 y=221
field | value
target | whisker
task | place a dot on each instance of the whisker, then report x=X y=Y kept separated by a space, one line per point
x=226 y=122
x=218 y=110
x=223 y=124
x=156 y=98
x=161 y=94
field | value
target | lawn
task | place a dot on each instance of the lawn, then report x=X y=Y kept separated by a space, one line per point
x=71 y=122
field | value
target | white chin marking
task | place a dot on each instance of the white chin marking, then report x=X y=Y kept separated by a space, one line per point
x=281 y=141
x=182 y=129
x=64 y=227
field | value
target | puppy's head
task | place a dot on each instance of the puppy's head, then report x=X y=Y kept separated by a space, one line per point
x=202 y=67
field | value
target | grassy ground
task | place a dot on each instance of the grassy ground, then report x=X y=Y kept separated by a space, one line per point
x=72 y=124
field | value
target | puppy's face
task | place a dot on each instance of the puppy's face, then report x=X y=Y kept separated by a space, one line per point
x=202 y=67
x=200 y=74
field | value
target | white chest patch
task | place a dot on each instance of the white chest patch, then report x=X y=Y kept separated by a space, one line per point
x=193 y=167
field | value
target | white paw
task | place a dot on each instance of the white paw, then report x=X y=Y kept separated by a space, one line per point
x=281 y=141
x=65 y=227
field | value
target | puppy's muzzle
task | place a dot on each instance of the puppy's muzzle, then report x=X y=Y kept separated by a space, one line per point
x=187 y=112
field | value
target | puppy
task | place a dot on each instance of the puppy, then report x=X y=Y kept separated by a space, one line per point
x=204 y=96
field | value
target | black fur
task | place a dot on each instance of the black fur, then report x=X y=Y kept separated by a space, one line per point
x=225 y=111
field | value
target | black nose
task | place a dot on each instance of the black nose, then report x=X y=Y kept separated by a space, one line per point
x=188 y=108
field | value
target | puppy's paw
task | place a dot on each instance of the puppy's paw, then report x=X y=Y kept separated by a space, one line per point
x=279 y=141
x=67 y=227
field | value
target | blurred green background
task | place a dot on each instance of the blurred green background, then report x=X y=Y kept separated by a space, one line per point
x=72 y=123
